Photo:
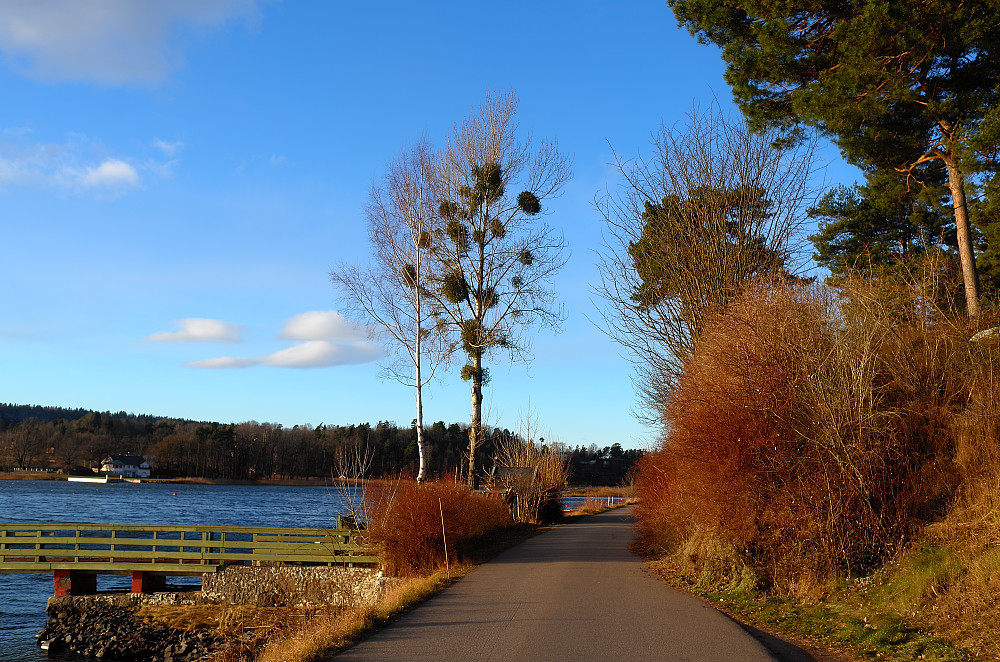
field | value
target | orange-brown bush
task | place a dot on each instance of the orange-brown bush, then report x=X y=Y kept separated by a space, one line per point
x=813 y=433
x=405 y=522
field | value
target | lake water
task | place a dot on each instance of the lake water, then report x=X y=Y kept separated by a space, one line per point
x=22 y=597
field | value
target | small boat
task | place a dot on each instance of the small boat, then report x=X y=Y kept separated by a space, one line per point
x=87 y=479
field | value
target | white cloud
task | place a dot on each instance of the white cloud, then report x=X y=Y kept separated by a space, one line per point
x=327 y=339
x=77 y=165
x=196 y=329
x=322 y=354
x=168 y=148
x=110 y=173
x=311 y=354
x=109 y=42
x=322 y=325
x=224 y=363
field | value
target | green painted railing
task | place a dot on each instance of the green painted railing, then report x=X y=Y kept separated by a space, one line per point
x=170 y=550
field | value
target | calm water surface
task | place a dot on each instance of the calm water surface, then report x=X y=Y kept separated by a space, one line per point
x=22 y=597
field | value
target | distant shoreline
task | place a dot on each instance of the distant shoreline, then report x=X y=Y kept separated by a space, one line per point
x=279 y=482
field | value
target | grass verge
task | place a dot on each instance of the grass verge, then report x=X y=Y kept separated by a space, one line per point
x=853 y=621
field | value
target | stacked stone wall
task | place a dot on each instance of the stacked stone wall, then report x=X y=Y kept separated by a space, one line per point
x=106 y=626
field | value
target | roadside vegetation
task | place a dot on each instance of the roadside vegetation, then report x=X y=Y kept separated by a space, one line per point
x=428 y=536
x=828 y=461
x=832 y=470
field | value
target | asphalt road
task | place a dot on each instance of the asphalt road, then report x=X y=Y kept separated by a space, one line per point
x=574 y=593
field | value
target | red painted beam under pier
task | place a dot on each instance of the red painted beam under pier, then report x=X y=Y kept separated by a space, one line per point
x=70 y=582
x=148 y=582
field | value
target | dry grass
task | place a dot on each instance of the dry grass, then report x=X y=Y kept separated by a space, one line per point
x=285 y=634
x=188 y=617
x=327 y=633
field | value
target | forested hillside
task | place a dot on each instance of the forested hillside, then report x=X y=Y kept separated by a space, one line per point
x=75 y=440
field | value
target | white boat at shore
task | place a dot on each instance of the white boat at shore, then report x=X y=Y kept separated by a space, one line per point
x=94 y=479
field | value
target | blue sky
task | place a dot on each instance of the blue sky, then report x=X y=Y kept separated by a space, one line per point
x=178 y=179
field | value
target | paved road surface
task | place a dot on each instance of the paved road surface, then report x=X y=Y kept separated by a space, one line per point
x=575 y=593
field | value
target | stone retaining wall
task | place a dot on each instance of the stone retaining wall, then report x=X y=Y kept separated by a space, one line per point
x=106 y=626
x=300 y=586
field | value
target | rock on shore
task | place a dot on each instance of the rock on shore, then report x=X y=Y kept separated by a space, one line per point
x=111 y=630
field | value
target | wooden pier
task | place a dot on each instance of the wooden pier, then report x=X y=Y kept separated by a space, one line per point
x=76 y=553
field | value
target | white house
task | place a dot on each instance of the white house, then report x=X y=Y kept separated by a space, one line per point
x=126 y=466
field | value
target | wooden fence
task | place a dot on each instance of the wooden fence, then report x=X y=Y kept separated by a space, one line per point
x=90 y=549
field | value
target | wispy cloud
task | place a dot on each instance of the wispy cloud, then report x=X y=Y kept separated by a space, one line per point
x=168 y=148
x=223 y=363
x=198 y=329
x=111 y=172
x=322 y=325
x=311 y=354
x=322 y=354
x=328 y=339
x=77 y=165
x=112 y=42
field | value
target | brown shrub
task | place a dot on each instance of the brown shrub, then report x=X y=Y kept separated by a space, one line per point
x=405 y=522
x=813 y=433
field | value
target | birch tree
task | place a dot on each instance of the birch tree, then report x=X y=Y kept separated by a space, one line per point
x=495 y=257
x=392 y=290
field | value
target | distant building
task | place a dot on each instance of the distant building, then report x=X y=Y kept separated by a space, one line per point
x=126 y=466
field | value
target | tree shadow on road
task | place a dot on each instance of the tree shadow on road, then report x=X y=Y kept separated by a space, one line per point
x=787 y=651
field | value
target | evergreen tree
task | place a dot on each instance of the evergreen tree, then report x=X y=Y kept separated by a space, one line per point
x=871 y=227
x=897 y=84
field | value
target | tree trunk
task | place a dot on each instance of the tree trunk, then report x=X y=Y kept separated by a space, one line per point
x=477 y=415
x=418 y=360
x=421 y=453
x=964 y=235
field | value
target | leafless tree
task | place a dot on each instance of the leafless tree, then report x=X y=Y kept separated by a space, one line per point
x=714 y=207
x=392 y=289
x=532 y=472
x=495 y=258
x=25 y=443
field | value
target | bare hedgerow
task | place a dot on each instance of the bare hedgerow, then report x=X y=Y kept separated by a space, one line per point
x=716 y=206
x=810 y=430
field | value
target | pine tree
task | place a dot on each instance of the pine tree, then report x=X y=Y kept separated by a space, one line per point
x=897 y=84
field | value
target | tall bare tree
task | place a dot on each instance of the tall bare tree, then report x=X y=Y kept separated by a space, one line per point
x=716 y=206
x=495 y=257
x=392 y=289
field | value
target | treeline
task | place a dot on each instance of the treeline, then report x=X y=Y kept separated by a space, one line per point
x=75 y=441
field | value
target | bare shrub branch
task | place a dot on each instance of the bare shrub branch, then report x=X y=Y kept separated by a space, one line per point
x=715 y=206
